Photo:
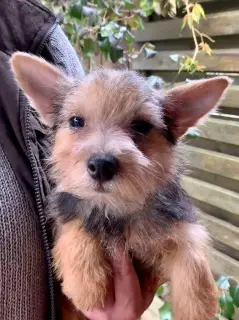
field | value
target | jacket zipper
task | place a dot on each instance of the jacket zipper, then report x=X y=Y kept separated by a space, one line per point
x=39 y=205
x=42 y=218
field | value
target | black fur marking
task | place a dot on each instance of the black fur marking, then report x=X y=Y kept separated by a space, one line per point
x=172 y=204
x=167 y=132
x=97 y=223
x=67 y=205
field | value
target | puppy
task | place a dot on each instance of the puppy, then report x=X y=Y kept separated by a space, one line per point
x=116 y=163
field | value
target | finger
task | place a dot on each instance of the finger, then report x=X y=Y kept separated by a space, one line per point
x=126 y=283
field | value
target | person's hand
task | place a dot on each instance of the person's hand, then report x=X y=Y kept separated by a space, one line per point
x=126 y=300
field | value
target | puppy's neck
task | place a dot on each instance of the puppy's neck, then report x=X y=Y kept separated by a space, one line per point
x=168 y=205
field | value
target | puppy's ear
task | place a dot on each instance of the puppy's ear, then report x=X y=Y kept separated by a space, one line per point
x=40 y=81
x=188 y=103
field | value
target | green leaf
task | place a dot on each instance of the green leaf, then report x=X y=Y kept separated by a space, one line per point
x=108 y=29
x=223 y=283
x=234 y=293
x=104 y=46
x=129 y=37
x=200 y=8
x=226 y=305
x=75 y=10
x=165 y=311
x=149 y=53
x=136 y=23
x=120 y=34
x=102 y=3
x=156 y=7
x=149 y=46
x=153 y=81
x=129 y=5
x=116 y=53
x=196 y=14
x=185 y=20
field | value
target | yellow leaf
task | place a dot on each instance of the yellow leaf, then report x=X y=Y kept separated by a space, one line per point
x=185 y=20
x=200 y=68
x=206 y=48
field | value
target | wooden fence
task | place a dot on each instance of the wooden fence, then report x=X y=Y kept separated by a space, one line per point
x=213 y=181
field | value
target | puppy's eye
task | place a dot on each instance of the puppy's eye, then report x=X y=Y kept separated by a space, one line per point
x=77 y=122
x=141 y=126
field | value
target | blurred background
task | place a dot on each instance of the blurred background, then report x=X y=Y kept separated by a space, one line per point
x=172 y=41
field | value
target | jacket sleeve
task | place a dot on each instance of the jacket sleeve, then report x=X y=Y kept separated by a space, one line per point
x=59 y=51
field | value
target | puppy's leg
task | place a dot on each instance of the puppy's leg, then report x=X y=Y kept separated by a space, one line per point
x=194 y=293
x=81 y=266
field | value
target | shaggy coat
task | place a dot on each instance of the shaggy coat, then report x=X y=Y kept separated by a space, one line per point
x=136 y=201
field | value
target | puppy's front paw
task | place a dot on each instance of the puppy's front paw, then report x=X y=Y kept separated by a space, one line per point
x=88 y=289
x=81 y=266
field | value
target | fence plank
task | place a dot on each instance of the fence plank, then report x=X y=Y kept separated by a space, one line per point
x=222 y=264
x=223 y=23
x=232 y=98
x=220 y=60
x=224 y=233
x=214 y=162
x=217 y=197
x=221 y=130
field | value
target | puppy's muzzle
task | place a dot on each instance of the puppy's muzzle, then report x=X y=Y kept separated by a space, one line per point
x=102 y=167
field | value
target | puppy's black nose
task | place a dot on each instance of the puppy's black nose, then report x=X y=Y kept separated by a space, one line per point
x=102 y=167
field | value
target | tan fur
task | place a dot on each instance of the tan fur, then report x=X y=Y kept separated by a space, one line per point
x=80 y=264
x=99 y=102
x=194 y=293
x=108 y=101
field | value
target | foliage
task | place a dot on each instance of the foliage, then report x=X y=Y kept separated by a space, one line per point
x=106 y=28
x=194 y=13
x=228 y=299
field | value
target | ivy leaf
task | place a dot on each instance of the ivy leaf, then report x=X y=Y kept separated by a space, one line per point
x=75 y=10
x=129 y=37
x=129 y=5
x=165 y=312
x=223 y=283
x=116 y=53
x=104 y=46
x=149 y=53
x=108 y=29
x=226 y=305
x=102 y=3
x=120 y=34
x=234 y=293
x=136 y=23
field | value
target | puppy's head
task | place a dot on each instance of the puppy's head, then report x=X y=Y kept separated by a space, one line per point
x=114 y=136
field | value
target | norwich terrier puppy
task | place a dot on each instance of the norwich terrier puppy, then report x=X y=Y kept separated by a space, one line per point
x=116 y=165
